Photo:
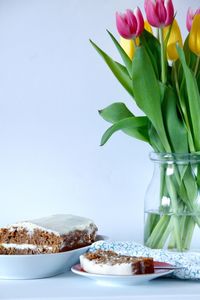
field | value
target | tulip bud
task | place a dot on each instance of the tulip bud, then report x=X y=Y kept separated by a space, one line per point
x=160 y=13
x=131 y=24
x=129 y=46
x=190 y=17
x=194 y=36
x=174 y=38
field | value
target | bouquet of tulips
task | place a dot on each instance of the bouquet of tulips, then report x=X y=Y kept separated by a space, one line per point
x=162 y=76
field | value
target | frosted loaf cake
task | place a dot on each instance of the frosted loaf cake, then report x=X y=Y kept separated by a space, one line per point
x=47 y=235
x=111 y=263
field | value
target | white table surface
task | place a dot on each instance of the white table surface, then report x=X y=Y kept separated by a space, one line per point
x=71 y=286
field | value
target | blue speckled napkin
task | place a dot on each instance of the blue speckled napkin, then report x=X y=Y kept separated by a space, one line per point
x=190 y=261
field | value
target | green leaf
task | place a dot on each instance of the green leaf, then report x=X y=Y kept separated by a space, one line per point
x=198 y=80
x=135 y=126
x=193 y=98
x=198 y=175
x=115 y=112
x=152 y=46
x=126 y=59
x=147 y=92
x=118 y=70
x=177 y=133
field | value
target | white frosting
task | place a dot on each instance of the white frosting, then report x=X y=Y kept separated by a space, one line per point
x=24 y=246
x=30 y=227
x=91 y=266
x=58 y=224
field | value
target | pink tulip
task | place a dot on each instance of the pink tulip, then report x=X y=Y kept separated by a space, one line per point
x=131 y=24
x=160 y=13
x=190 y=17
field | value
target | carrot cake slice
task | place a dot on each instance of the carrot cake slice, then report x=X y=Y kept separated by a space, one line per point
x=111 y=263
x=52 y=234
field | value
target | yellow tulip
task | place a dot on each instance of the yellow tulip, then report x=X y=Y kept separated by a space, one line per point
x=128 y=45
x=174 y=38
x=147 y=26
x=194 y=37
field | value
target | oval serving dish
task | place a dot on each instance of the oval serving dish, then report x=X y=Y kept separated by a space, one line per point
x=40 y=265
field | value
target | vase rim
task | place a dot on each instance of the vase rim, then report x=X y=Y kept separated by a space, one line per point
x=166 y=157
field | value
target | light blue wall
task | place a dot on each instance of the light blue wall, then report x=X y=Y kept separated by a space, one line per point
x=51 y=85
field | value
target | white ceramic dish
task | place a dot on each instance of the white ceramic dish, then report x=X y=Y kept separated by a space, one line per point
x=113 y=280
x=39 y=265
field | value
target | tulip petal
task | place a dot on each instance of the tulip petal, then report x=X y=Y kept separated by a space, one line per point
x=173 y=39
x=189 y=19
x=150 y=9
x=170 y=12
x=147 y=27
x=128 y=47
x=197 y=24
x=192 y=42
x=172 y=52
x=122 y=26
x=161 y=11
x=132 y=22
x=145 y=4
x=139 y=20
x=194 y=37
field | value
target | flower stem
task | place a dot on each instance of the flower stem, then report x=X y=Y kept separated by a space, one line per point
x=158 y=232
x=150 y=223
x=163 y=57
x=174 y=227
x=173 y=196
x=188 y=232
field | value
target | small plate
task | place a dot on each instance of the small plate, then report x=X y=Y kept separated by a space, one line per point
x=114 y=280
x=40 y=265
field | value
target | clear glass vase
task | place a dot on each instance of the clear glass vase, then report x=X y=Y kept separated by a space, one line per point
x=172 y=202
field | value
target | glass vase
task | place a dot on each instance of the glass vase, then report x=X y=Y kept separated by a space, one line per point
x=172 y=203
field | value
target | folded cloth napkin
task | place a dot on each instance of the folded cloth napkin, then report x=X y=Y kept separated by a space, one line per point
x=188 y=261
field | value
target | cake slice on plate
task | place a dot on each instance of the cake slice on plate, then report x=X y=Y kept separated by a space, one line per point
x=111 y=263
x=52 y=234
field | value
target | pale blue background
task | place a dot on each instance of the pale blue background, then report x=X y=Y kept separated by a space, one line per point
x=52 y=83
